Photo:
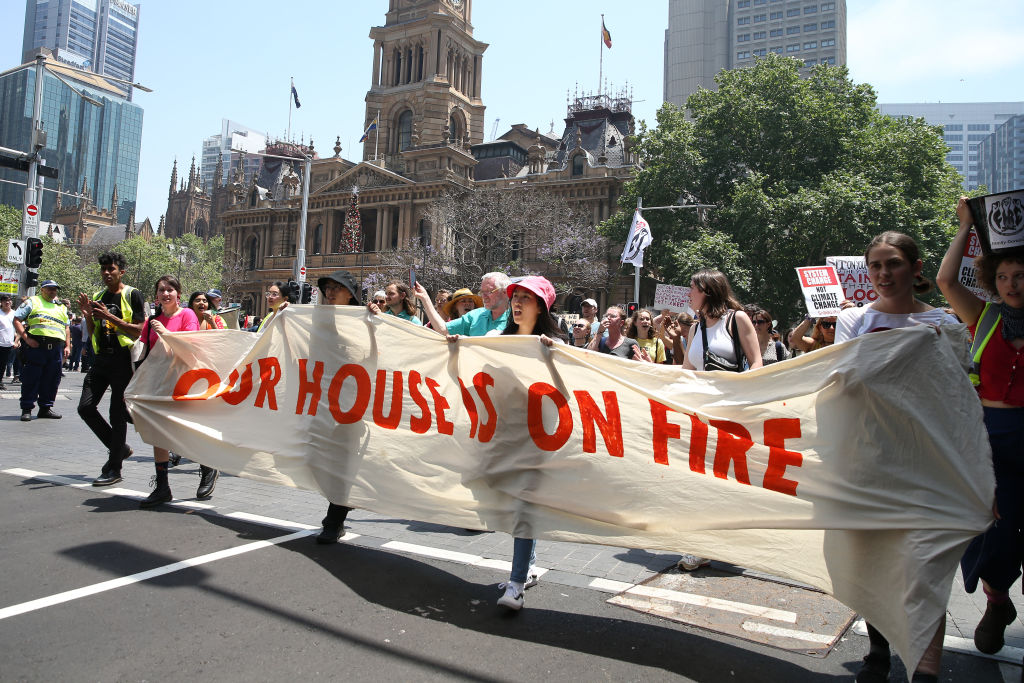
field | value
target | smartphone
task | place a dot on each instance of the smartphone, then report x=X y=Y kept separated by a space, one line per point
x=412 y=278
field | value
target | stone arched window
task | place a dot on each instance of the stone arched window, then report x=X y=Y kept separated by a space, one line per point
x=318 y=238
x=403 y=131
x=253 y=252
x=578 y=163
x=456 y=126
x=201 y=228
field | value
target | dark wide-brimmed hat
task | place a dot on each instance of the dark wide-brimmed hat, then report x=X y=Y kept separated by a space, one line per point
x=459 y=295
x=343 y=278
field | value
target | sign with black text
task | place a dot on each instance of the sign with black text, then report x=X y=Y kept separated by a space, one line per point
x=822 y=292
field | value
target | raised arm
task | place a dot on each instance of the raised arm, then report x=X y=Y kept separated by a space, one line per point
x=437 y=323
x=968 y=307
x=799 y=339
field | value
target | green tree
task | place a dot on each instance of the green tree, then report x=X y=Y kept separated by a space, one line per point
x=10 y=224
x=198 y=265
x=64 y=265
x=796 y=168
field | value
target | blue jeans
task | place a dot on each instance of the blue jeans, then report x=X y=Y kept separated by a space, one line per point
x=524 y=552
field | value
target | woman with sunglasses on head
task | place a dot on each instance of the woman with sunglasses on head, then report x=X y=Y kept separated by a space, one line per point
x=995 y=556
x=278 y=297
x=894 y=268
x=771 y=351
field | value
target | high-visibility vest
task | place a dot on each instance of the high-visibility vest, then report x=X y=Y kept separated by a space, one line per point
x=126 y=315
x=47 y=319
x=982 y=333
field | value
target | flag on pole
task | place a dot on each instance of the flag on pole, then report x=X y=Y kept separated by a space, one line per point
x=295 y=96
x=605 y=35
x=372 y=126
x=639 y=238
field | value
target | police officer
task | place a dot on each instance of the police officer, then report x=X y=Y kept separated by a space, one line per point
x=113 y=321
x=42 y=324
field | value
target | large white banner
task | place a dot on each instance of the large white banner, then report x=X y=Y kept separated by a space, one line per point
x=862 y=469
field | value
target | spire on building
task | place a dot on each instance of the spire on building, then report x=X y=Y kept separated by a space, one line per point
x=174 y=179
x=160 y=227
x=85 y=189
x=218 y=175
x=192 y=174
x=113 y=200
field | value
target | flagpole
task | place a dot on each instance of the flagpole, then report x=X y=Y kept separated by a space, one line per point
x=288 y=136
x=636 y=268
x=600 y=67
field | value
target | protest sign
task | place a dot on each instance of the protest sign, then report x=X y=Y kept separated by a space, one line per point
x=9 y=280
x=824 y=469
x=999 y=220
x=853 y=276
x=672 y=297
x=968 y=276
x=822 y=291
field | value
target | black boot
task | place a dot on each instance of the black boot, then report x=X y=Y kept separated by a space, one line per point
x=207 y=481
x=988 y=636
x=162 y=493
x=333 y=524
x=878 y=660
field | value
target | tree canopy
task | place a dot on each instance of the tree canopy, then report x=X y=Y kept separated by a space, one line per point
x=797 y=169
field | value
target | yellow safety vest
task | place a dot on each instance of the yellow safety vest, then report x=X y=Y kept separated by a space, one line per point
x=986 y=326
x=47 y=319
x=126 y=315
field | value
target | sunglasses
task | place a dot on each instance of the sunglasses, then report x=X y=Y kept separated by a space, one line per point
x=380 y=301
x=758 y=323
x=827 y=325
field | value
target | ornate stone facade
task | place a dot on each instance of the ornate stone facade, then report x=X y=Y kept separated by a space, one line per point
x=425 y=95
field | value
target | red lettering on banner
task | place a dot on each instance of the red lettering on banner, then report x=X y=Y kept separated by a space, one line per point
x=242 y=392
x=776 y=431
x=733 y=443
x=394 y=416
x=186 y=381
x=270 y=375
x=482 y=381
x=663 y=430
x=421 y=423
x=535 y=417
x=698 y=444
x=610 y=426
x=444 y=425
x=467 y=400
x=362 y=396
x=309 y=387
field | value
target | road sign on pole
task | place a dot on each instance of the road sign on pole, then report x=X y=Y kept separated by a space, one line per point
x=16 y=251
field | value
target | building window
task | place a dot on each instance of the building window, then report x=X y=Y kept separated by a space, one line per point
x=953 y=138
x=577 y=165
x=318 y=238
x=794 y=12
x=956 y=148
x=743 y=3
x=793 y=48
x=777 y=49
x=954 y=126
x=955 y=157
x=403 y=137
x=828 y=42
x=810 y=62
x=828 y=60
x=775 y=15
x=760 y=53
x=810 y=9
x=742 y=37
x=790 y=30
x=827 y=24
x=743 y=20
x=975 y=138
x=828 y=6
x=810 y=46
x=979 y=126
x=760 y=17
x=760 y=2
x=254 y=244
x=743 y=55
x=810 y=27
x=760 y=35
x=775 y=32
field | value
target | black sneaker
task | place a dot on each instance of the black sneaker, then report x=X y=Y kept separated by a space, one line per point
x=330 y=534
x=107 y=478
x=26 y=416
x=159 y=496
x=173 y=460
x=49 y=414
x=3 y=387
x=207 y=481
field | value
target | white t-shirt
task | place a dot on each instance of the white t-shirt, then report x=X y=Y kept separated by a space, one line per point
x=7 y=328
x=853 y=322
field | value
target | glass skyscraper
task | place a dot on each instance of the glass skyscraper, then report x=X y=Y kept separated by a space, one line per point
x=98 y=35
x=98 y=146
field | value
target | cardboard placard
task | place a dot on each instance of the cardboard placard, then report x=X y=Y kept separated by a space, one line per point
x=853 y=276
x=822 y=292
x=675 y=298
x=968 y=276
x=999 y=220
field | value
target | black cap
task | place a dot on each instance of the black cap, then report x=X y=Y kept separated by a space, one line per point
x=343 y=278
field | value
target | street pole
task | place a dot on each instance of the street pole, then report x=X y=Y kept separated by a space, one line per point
x=30 y=225
x=636 y=268
x=300 y=252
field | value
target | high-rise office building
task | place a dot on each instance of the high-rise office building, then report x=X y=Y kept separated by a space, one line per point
x=706 y=36
x=98 y=35
x=1001 y=157
x=95 y=148
x=965 y=126
x=232 y=136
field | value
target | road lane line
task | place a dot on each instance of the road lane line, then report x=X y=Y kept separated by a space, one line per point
x=805 y=636
x=275 y=522
x=713 y=603
x=437 y=553
x=610 y=585
x=86 y=591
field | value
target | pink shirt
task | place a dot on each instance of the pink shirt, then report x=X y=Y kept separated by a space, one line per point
x=184 y=320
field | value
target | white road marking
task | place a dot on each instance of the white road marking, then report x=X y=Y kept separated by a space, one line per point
x=123 y=581
x=610 y=586
x=713 y=603
x=805 y=636
x=427 y=551
x=274 y=522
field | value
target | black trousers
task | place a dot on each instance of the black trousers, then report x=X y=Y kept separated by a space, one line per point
x=112 y=371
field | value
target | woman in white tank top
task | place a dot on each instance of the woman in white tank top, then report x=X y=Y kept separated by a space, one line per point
x=712 y=298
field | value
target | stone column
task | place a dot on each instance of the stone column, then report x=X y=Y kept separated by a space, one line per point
x=375 y=77
x=379 y=240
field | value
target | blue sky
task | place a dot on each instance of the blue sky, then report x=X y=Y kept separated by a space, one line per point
x=217 y=59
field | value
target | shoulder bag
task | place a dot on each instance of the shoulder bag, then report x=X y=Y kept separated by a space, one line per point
x=712 y=361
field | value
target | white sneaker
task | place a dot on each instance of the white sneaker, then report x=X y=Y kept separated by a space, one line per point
x=532 y=578
x=688 y=563
x=513 y=596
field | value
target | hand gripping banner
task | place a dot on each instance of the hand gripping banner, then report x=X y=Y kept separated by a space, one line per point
x=862 y=469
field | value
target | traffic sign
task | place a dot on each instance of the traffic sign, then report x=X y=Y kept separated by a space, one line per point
x=32 y=210
x=16 y=251
x=30 y=225
x=302 y=274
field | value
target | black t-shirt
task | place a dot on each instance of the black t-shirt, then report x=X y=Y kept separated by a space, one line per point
x=107 y=331
x=623 y=350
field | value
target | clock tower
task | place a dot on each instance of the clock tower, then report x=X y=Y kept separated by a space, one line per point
x=425 y=90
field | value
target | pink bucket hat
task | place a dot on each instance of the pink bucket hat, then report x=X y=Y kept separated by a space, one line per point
x=536 y=284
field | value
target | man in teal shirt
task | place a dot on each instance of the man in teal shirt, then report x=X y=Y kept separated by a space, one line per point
x=491 y=316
